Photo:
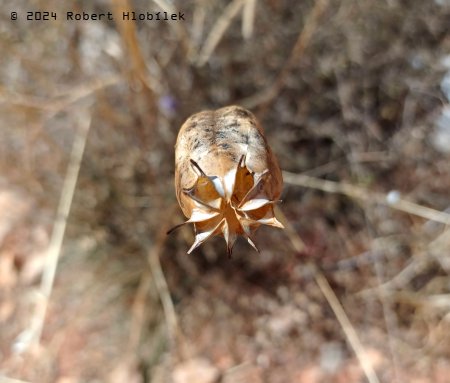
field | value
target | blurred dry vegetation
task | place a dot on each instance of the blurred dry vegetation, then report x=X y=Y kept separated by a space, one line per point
x=354 y=97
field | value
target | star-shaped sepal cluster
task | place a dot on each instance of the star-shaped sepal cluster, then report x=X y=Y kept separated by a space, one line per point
x=236 y=204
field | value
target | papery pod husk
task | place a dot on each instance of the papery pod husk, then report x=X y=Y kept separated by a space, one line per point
x=227 y=178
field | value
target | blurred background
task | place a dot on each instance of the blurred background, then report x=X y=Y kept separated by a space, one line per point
x=354 y=97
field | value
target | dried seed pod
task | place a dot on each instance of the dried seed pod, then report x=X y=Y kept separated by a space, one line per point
x=226 y=176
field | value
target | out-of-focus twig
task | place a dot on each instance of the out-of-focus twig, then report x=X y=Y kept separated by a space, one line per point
x=435 y=251
x=198 y=24
x=266 y=96
x=153 y=255
x=4 y=379
x=347 y=327
x=336 y=306
x=33 y=334
x=178 y=26
x=248 y=18
x=127 y=30
x=365 y=195
x=218 y=30
x=138 y=312
x=297 y=242
x=56 y=102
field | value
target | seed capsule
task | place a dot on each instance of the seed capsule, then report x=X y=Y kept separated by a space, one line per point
x=226 y=176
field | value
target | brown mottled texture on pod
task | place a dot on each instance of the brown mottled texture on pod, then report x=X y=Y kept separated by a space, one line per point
x=226 y=176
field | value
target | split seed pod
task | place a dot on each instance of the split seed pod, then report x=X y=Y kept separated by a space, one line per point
x=226 y=176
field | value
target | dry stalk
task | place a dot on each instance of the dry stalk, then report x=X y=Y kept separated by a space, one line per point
x=336 y=306
x=127 y=30
x=5 y=379
x=416 y=266
x=55 y=103
x=32 y=335
x=347 y=327
x=138 y=312
x=153 y=254
x=420 y=263
x=218 y=30
x=365 y=195
x=178 y=27
x=198 y=24
x=297 y=242
x=390 y=320
x=248 y=18
x=266 y=96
